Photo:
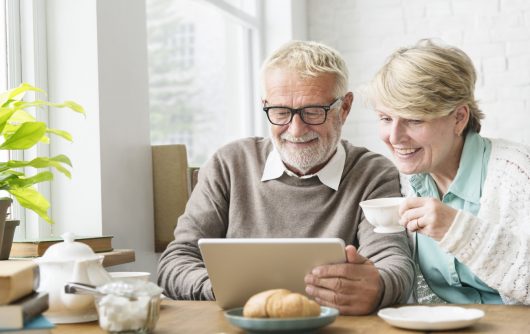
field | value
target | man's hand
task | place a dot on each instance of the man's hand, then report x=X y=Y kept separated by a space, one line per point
x=427 y=215
x=354 y=287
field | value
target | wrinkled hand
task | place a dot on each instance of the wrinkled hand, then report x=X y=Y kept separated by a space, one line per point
x=354 y=287
x=427 y=215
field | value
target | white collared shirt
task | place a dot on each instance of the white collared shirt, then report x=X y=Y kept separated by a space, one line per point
x=329 y=175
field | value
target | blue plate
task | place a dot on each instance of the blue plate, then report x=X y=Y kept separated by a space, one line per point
x=287 y=325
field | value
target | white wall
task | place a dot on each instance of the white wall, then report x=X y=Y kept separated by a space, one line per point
x=126 y=176
x=98 y=57
x=73 y=75
x=495 y=33
x=284 y=20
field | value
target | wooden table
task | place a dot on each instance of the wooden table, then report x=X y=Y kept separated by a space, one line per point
x=206 y=317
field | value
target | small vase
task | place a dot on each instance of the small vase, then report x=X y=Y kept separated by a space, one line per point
x=7 y=229
x=7 y=241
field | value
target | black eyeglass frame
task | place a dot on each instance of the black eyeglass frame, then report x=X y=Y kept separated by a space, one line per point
x=300 y=112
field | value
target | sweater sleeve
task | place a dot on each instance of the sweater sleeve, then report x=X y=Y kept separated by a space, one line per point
x=390 y=252
x=495 y=244
x=181 y=270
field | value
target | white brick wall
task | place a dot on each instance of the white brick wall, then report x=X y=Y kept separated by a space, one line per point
x=494 y=33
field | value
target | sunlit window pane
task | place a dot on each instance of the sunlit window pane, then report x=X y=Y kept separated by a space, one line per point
x=196 y=76
x=3 y=49
x=245 y=5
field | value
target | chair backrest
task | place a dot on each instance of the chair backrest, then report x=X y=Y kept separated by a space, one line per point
x=171 y=188
x=193 y=177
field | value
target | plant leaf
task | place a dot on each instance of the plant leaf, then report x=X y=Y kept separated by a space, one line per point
x=39 y=103
x=5 y=179
x=12 y=172
x=15 y=121
x=62 y=158
x=22 y=116
x=29 y=181
x=74 y=106
x=40 y=162
x=55 y=162
x=58 y=162
x=33 y=200
x=12 y=94
x=5 y=115
x=13 y=164
x=26 y=136
x=61 y=133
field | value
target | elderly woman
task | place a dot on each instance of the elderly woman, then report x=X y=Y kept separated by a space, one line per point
x=470 y=203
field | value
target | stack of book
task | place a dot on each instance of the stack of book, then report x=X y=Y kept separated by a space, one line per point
x=21 y=307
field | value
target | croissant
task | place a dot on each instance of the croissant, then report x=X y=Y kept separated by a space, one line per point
x=280 y=303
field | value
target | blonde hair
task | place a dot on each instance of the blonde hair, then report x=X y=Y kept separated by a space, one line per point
x=427 y=81
x=309 y=59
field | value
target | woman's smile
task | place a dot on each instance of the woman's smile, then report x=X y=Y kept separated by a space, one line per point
x=405 y=153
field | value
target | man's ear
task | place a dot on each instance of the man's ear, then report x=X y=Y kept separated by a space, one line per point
x=462 y=118
x=347 y=102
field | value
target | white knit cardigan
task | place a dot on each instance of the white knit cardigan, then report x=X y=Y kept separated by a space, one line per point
x=495 y=244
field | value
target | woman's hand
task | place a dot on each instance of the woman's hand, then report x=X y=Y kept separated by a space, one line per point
x=427 y=215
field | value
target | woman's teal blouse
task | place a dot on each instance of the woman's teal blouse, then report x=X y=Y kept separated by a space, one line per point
x=448 y=278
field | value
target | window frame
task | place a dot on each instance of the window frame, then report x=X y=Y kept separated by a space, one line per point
x=251 y=39
x=27 y=62
x=253 y=46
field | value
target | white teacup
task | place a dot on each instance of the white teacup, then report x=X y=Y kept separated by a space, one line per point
x=129 y=275
x=383 y=213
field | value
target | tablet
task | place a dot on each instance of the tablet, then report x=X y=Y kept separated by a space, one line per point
x=240 y=268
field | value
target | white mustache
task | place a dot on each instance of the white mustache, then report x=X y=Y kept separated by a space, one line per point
x=305 y=138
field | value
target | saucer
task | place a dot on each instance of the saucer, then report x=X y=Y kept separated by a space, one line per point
x=279 y=325
x=430 y=318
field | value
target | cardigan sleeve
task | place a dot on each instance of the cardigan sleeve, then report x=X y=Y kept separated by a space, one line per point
x=495 y=245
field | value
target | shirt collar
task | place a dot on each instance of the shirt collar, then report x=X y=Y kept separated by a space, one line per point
x=329 y=175
x=469 y=172
x=423 y=185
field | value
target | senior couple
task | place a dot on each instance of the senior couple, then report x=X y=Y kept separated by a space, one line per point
x=467 y=213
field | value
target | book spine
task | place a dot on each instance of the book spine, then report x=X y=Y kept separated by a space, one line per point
x=24 y=249
x=34 y=305
x=19 y=284
x=20 y=312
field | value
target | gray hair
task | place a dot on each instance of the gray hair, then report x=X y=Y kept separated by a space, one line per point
x=310 y=59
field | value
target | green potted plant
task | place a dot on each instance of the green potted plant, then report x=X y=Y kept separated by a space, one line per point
x=21 y=131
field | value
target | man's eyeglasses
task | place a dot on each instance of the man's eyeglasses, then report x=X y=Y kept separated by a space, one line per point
x=312 y=115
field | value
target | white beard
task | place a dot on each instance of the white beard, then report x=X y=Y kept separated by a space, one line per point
x=305 y=159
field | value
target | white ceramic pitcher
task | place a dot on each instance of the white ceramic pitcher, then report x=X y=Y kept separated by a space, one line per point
x=70 y=261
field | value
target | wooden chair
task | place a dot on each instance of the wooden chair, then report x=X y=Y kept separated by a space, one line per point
x=171 y=189
x=193 y=177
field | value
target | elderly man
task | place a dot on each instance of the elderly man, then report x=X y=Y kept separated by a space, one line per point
x=302 y=182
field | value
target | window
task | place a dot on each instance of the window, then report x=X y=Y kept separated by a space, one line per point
x=23 y=58
x=203 y=59
x=4 y=155
x=10 y=74
x=3 y=49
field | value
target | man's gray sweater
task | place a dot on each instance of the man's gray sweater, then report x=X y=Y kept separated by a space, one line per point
x=231 y=201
